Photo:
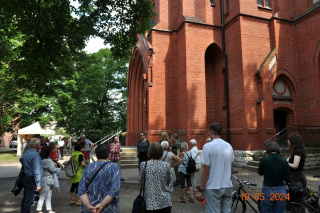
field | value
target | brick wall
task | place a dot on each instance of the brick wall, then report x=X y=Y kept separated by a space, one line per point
x=188 y=65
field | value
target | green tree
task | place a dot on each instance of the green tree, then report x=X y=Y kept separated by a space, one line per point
x=49 y=37
x=41 y=43
x=96 y=104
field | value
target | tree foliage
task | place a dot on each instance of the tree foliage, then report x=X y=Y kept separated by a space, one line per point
x=96 y=103
x=43 y=67
x=92 y=102
x=48 y=35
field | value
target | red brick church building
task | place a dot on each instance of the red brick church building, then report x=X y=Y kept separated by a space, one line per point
x=250 y=65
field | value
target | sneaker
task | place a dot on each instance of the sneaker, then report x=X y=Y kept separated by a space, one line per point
x=191 y=200
x=181 y=200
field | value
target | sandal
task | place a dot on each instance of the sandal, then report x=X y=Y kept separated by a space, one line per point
x=191 y=200
x=181 y=200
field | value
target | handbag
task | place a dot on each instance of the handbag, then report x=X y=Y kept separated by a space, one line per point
x=18 y=186
x=139 y=204
x=296 y=191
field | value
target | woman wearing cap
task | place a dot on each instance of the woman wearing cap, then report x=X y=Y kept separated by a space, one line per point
x=80 y=164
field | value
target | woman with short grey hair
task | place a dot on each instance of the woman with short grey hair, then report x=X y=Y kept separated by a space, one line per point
x=183 y=175
x=194 y=151
x=168 y=157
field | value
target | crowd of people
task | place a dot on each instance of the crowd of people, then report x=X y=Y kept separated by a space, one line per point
x=96 y=185
x=160 y=162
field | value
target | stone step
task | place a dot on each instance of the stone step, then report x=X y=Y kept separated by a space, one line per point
x=257 y=159
x=251 y=168
x=129 y=165
x=313 y=150
x=134 y=161
x=129 y=149
x=130 y=154
x=128 y=157
x=283 y=155
x=253 y=163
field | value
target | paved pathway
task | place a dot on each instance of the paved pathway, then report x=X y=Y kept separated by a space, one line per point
x=60 y=201
x=129 y=190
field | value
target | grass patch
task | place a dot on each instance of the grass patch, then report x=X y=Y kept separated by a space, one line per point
x=9 y=158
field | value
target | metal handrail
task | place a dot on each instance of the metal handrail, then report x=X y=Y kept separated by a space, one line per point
x=277 y=134
x=290 y=126
x=109 y=138
x=103 y=138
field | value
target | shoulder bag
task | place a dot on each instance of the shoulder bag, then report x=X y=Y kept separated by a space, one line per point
x=165 y=157
x=18 y=186
x=88 y=184
x=139 y=204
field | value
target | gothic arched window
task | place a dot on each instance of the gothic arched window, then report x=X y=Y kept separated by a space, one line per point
x=264 y=3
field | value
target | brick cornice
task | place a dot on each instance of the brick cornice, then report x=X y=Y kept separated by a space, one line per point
x=255 y=19
x=246 y=17
x=207 y=27
x=192 y=24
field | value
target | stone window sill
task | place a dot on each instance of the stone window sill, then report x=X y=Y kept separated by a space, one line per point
x=264 y=8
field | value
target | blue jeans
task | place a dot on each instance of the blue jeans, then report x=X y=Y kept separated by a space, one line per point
x=28 y=194
x=218 y=200
x=272 y=203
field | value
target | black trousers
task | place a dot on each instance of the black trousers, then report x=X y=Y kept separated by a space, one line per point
x=142 y=157
x=74 y=188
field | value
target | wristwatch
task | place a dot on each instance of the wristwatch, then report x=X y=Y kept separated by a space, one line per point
x=200 y=190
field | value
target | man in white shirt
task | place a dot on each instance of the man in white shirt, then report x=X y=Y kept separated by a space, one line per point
x=217 y=157
x=61 y=147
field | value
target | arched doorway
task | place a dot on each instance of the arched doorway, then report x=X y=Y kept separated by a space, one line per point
x=137 y=118
x=214 y=70
x=281 y=118
x=283 y=95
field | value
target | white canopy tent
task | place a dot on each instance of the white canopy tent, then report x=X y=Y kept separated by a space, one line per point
x=31 y=130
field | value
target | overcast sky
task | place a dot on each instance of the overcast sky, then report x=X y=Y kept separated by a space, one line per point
x=94 y=45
